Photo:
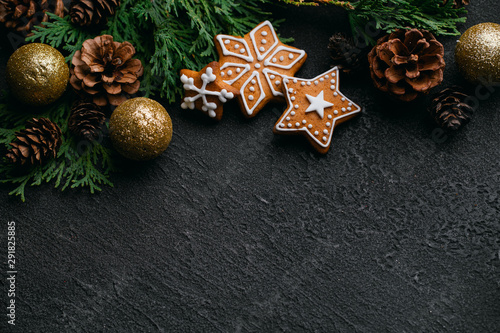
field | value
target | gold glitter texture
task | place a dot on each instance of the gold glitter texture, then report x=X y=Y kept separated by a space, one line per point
x=37 y=74
x=478 y=53
x=140 y=129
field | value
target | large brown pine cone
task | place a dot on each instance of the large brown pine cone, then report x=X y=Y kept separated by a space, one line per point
x=86 y=120
x=458 y=3
x=22 y=15
x=92 y=12
x=450 y=109
x=105 y=71
x=36 y=144
x=407 y=63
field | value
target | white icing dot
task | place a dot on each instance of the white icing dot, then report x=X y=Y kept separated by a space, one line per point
x=343 y=110
x=333 y=74
x=229 y=72
x=343 y=99
x=263 y=41
x=328 y=124
x=349 y=108
x=326 y=76
x=296 y=106
x=295 y=80
x=282 y=58
x=335 y=94
x=322 y=80
x=304 y=121
x=289 y=125
x=227 y=41
x=272 y=77
x=309 y=126
x=332 y=87
x=238 y=70
x=287 y=118
x=292 y=98
x=285 y=80
x=274 y=60
x=292 y=113
x=262 y=49
x=330 y=116
x=316 y=82
x=282 y=125
x=222 y=74
x=324 y=138
x=325 y=132
x=290 y=90
x=302 y=83
x=350 y=104
x=257 y=66
x=336 y=112
x=253 y=82
x=290 y=56
x=252 y=89
x=297 y=124
x=316 y=133
x=277 y=83
x=211 y=114
x=332 y=81
x=308 y=83
x=242 y=51
x=250 y=98
x=264 y=33
x=237 y=46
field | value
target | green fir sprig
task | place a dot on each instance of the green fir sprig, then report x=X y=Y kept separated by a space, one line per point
x=78 y=163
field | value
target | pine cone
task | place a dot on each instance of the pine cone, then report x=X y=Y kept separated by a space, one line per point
x=105 y=71
x=86 y=120
x=407 y=63
x=92 y=12
x=346 y=55
x=36 y=144
x=458 y=3
x=450 y=110
x=22 y=15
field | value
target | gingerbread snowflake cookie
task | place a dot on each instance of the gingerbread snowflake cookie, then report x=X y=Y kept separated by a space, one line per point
x=206 y=91
x=256 y=64
x=314 y=108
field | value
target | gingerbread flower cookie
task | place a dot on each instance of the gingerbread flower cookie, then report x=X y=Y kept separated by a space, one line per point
x=256 y=64
x=314 y=108
x=206 y=91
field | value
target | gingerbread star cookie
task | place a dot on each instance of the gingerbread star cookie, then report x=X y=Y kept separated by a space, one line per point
x=314 y=108
x=255 y=65
x=205 y=90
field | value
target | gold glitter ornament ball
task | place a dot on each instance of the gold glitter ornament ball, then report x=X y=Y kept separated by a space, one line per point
x=37 y=74
x=140 y=129
x=478 y=53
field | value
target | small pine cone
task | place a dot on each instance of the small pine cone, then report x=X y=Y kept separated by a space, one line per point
x=92 y=12
x=105 y=71
x=458 y=3
x=450 y=110
x=407 y=63
x=86 y=120
x=22 y=15
x=36 y=144
x=346 y=55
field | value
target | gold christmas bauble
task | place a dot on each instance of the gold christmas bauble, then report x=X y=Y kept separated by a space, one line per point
x=478 y=53
x=37 y=74
x=140 y=129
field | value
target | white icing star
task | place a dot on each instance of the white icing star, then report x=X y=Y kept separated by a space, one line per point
x=318 y=104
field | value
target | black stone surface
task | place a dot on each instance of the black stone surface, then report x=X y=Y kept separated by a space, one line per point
x=235 y=229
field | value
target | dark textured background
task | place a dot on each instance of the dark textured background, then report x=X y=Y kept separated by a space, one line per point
x=235 y=229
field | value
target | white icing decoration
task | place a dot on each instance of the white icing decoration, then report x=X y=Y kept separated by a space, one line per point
x=264 y=33
x=332 y=87
x=304 y=121
x=229 y=72
x=300 y=54
x=289 y=89
x=330 y=116
x=289 y=125
x=253 y=82
x=327 y=76
x=335 y=94
x=296 y=106
x=308 y=83
x=316 y=83
x=257 y=66
x=332 y=81
x=325 y=132
x=262 y=49
x=222 y=74
x=343 y=99
x=224 y=40
x=252 y=89
x=245 y=68
x=282 y=125
x=349 y=108
x=322 y=80
x=295 y=80
x=237 y=46
x=253 y=77
x=273 y=39
x=309 y=126
x=316 y=133
x=292 y=113
x=292 y=98
x=297 y=124
x=302 y=83
x=275 y=60
x=328 y=124
x=318 y=104
x=207 y=78
x=263 y=41
x=290 y=56
x=277 y=83
x=250 y=98
x=343 y=109
x=272 y=77
x=287 y=118
x=282 y=58
x=336 y=112
x=350 y=104
x=238 y=70
x=324 y=138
